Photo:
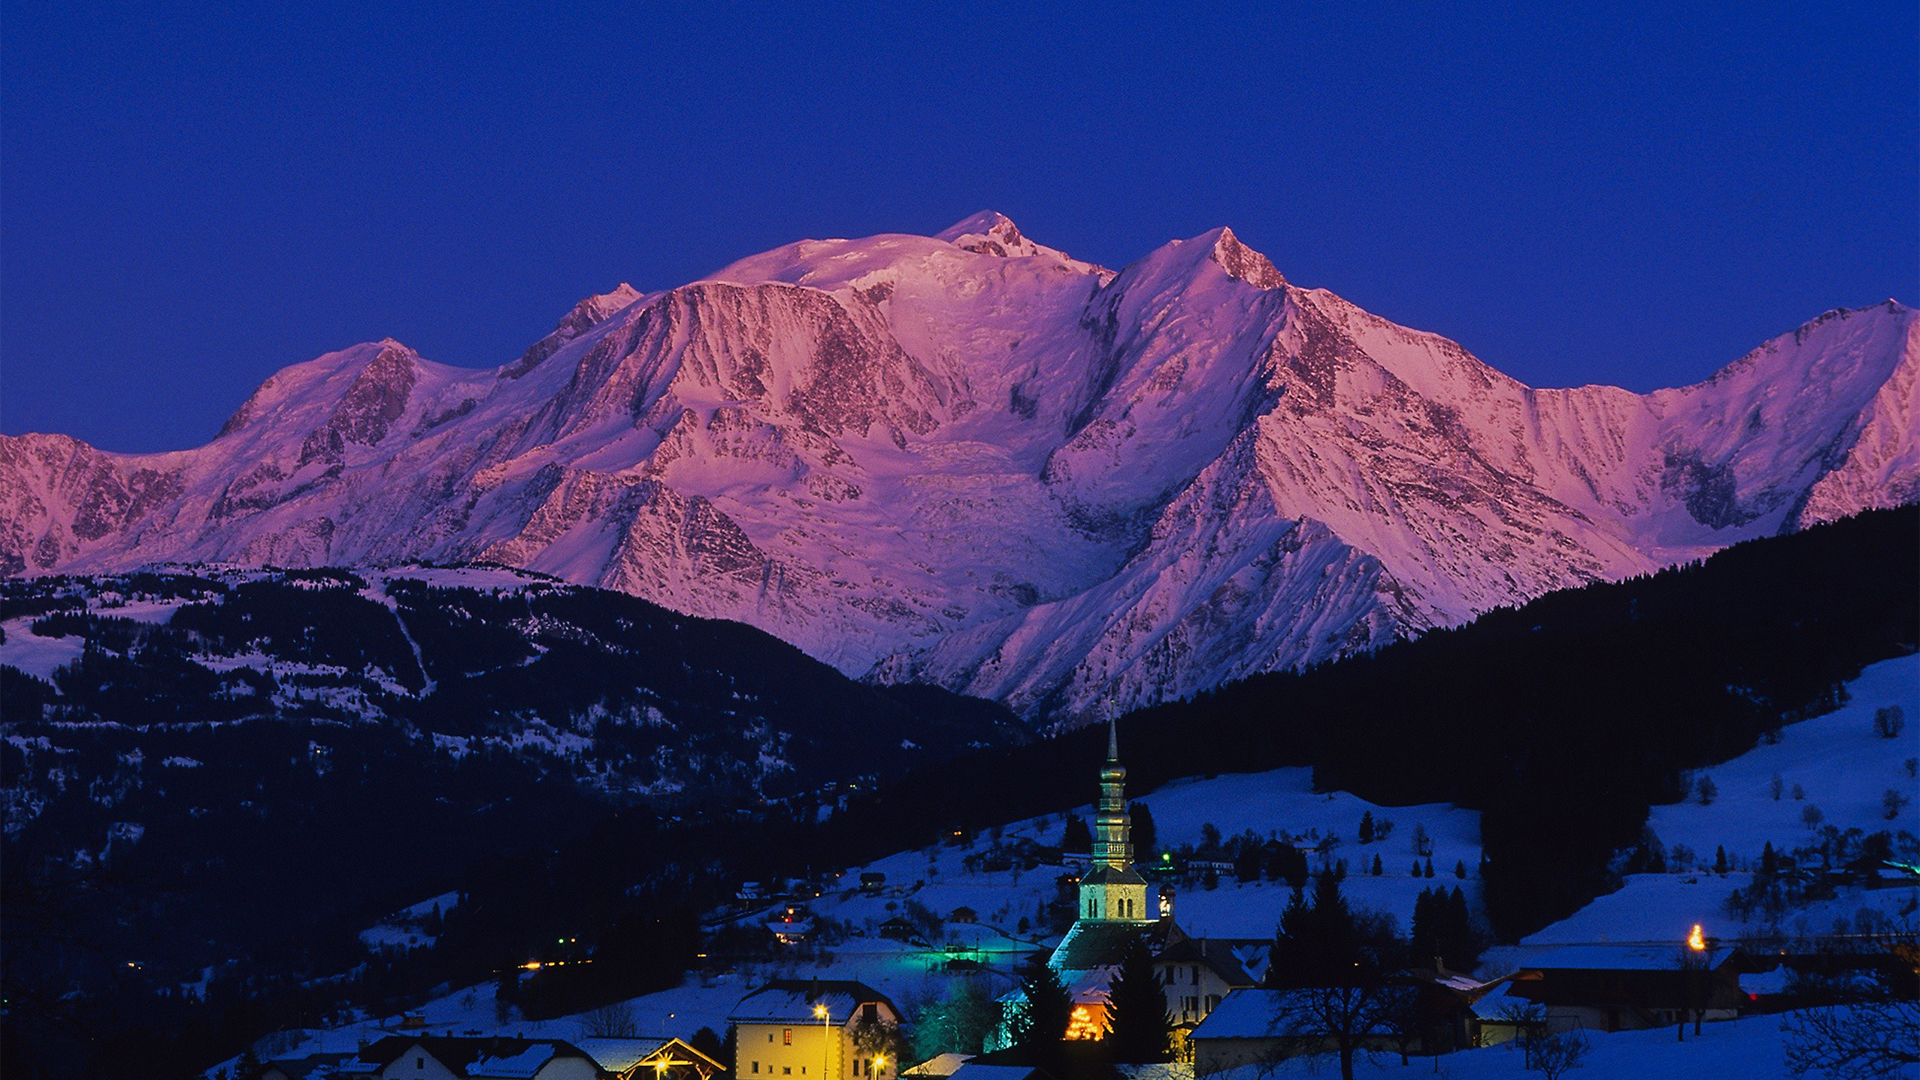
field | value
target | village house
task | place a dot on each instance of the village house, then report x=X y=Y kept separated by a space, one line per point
x=793 y=1028
x=649 y=1059
x=1627 y=987
x=432 y=1057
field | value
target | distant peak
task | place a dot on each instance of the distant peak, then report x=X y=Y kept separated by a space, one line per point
x=1241 y=261
x=989 y=233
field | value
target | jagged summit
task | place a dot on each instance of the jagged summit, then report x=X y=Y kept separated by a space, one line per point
x=973 y=460
x=1243 y=262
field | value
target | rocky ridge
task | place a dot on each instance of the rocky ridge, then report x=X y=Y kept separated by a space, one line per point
x=974 y=460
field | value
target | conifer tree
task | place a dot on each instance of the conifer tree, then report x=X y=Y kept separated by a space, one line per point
x=1077 y=837
x=1040 y=1024
x=1336 y=966
x=1146 y=836
x=1140 y=1029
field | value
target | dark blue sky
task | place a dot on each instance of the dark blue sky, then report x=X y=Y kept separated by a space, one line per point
x=194 y=195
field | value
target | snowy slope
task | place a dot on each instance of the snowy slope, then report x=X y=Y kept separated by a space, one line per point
x=973 y=459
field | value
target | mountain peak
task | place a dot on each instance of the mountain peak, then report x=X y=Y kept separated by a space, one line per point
x=1241 y=261
x=989 y=232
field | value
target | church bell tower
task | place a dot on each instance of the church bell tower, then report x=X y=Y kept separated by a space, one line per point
x=1113 y=891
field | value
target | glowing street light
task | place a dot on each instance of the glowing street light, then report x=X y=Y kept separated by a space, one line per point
x=826 y=1042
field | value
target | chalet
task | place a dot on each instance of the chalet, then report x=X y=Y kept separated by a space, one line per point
x=963 y=915
x=872 y=882
x=899 y=929
x=1632 y=987
x=1244 y=1030
x=1198 y=973
x=649 y=1059
x=790 y=923
x=1238 y=1031
x=431 y=1057
x=792 y=1029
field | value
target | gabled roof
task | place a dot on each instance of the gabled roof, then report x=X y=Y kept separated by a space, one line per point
x=941 y=1066
x=1242 y=1014
x=791 y=1001
x=1655 y=956
x=1222 y=956
x=489 y=1058
x=971 y=1071
x=619 y=1055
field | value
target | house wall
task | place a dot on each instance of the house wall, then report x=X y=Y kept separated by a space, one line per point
x=568 y=1068
x=1191 y=990
x=1218 y=1055
x=762 y=1051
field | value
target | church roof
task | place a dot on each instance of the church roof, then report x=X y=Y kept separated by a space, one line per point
x=1096 y=944
x=1107 y=875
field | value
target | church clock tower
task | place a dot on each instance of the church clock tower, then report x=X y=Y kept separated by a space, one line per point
x=1113 y=891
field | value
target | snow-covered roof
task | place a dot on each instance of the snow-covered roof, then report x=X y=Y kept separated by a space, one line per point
x=1629 y=956
x=971 y=1071
x=791 y=1001
x=619 y=1055
x=1242 y=1014
x=514 y=1063
x=941 y=1066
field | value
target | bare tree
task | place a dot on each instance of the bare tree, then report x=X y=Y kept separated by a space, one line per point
x=1868 y=1039
x=1872 y=1029
x=1556 y=1055
x=1338 y=972
x=613 y=1021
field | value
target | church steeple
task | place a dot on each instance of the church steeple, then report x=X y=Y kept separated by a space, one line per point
x=1113 y=829
x=1112 y=891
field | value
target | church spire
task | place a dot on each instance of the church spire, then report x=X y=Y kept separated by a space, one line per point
x=1113 y=829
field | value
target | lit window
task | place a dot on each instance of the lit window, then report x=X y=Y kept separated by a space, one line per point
x=786 y=1037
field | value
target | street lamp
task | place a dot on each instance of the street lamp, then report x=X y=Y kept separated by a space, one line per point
x=826 y=1043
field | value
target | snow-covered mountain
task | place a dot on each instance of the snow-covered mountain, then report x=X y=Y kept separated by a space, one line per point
x=974 y=460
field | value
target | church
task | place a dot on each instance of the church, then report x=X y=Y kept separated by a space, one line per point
x=1116 y=903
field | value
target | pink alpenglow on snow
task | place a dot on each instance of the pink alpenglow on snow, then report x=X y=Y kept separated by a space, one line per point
x=974 y=460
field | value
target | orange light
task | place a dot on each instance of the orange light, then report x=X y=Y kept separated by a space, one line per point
x=1697 y=941
x=531 y=965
